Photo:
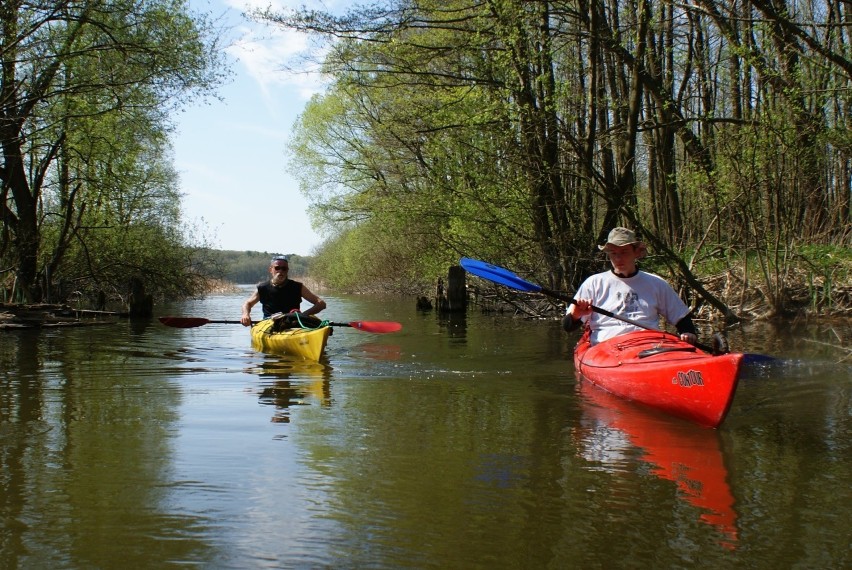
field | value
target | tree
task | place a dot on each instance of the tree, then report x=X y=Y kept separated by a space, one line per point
x=85 y=94
x=709 y=126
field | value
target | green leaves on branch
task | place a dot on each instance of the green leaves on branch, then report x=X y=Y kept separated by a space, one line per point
x=523 y=131
x=85 y=104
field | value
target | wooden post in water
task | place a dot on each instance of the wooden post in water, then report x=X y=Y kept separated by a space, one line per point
x=440 y=296
x=141 y=303
x=456 y=290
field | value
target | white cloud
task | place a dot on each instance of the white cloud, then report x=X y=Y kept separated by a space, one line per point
x=275 y=57
x=231 y=153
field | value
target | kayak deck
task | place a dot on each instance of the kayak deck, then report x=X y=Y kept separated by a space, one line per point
x=659 y=370
x=307 y=343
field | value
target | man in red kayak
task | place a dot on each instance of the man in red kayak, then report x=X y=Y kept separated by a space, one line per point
x=625 y=291
x=280 y=294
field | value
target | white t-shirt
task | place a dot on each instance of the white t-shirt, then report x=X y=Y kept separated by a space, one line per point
x=642 y=298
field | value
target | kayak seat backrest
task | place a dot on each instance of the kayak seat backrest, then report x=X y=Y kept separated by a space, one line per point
x=660 y=349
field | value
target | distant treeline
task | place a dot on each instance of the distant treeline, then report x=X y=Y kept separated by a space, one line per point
x=252 y=266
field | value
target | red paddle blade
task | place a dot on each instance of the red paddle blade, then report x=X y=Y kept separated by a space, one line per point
x=184 y=322
x=376 y=326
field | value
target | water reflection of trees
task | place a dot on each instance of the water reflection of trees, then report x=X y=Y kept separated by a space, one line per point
x=86 y=454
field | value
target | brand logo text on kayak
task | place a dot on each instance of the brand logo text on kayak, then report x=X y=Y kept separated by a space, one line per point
x=688 y=379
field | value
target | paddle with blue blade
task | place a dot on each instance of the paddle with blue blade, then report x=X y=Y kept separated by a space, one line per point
x=505 y=277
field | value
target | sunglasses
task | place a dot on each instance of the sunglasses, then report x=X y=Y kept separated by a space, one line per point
x=280 y=267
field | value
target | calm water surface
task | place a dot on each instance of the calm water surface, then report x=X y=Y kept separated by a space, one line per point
x=455 y=443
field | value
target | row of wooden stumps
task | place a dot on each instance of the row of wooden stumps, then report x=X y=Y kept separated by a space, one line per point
x=451 y=298
x=38 y=315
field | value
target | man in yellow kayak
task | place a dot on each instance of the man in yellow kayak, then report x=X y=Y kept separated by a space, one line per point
x=628 y=292
x=280 y=294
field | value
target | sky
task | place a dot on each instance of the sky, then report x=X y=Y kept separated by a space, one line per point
x=230 y=154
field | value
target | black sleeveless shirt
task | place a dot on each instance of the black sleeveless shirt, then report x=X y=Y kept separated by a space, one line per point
x=282 y=299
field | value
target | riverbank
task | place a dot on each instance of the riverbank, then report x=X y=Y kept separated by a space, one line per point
x=826 y=294
x=44 y=315
x=797 y=293
x=800 y=294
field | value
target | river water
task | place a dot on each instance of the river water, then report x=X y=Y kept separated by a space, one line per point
x=459 y=442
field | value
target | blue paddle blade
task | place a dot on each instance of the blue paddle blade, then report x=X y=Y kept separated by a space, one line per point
x=498 y=275
x=760 y=359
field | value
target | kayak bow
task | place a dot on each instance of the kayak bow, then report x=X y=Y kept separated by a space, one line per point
x=657 y=369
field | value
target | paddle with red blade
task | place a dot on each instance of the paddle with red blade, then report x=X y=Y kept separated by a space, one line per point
x=505 y=277
x=379 y=327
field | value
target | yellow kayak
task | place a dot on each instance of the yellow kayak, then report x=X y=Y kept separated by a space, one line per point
x=307 y=343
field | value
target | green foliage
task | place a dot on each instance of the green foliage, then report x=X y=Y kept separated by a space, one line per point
x=381 y=165
x=521 y=132
x=90 y=197
x=363 y=260
x=829 y=276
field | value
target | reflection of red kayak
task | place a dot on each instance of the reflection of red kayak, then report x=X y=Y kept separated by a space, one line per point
x=687 y=455
x=659 y=370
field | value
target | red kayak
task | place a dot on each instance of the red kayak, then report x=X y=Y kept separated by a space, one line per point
x=659 y=370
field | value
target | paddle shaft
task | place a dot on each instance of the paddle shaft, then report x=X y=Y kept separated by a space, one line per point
x=571 y=300
x=212 y=322
x=505 y=277
x=365 y=326
x=193 y=322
